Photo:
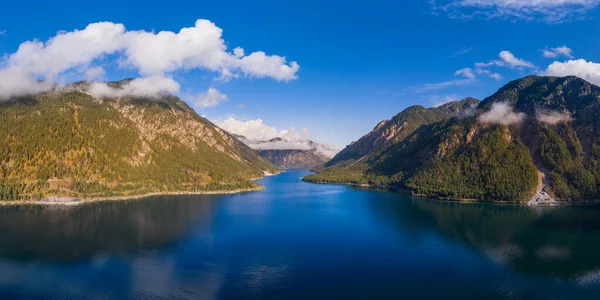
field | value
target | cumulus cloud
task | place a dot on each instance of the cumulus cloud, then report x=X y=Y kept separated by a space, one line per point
x=153 y=55
x=259 y=136
x=551 y=117
x=139 y=87
x=251 y=129
x=514 y=62
x=587 y=70
x=501 y=113
x=209 y=98
x=259 y=64
x=550 y=11
x=67 y=50
x=558 y=51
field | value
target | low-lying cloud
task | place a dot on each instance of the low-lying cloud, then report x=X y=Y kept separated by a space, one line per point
x=259 y=136
x=501 y=113
x=551 y=117
x=139 y=87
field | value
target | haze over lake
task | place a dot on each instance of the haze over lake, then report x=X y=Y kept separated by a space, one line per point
x=300 y=241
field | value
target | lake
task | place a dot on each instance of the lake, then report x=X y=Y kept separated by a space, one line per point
x=298 y=240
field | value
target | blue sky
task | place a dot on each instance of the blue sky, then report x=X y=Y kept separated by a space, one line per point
x=359 y=62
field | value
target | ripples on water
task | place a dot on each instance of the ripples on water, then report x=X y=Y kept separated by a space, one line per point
x=298 y=240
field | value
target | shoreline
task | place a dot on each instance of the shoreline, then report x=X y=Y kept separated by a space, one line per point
x=73 y=201
x=456 y=200
x=70 y=201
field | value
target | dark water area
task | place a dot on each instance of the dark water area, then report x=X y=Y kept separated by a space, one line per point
x=297 y=240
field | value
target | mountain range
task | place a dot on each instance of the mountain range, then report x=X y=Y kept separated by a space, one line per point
x=285 y=154
x=69 y=143
x=535 y=139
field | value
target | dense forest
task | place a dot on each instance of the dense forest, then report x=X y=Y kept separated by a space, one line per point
x=461 y=157
x=71 y=144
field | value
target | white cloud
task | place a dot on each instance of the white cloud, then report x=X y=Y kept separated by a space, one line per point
x=95 y=73
x=432 y=87
x=16 y=81
x=549 y=54
x=489 y=64
x=514 y=62
x=587 y=70
x=201 y=47
x=3 y=32
x=198 y=47
x=238 y=52
x=258 y=64
x=139 y=87
x=67 y=50
x=487 y=72
x=501 y=113
x=257 y=135
x=466 y=72
x=153 y=55
x=209 y=98
x=551 y=11
x=496 y=76
x=507 y=59
x=258 y=130
x=551 y=117
x=558 y=51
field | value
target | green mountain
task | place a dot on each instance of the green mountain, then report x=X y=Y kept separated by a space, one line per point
x=398 y=128
x=69 y=143
x=536 y=136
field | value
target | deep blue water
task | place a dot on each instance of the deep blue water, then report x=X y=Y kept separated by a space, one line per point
x=299 y=240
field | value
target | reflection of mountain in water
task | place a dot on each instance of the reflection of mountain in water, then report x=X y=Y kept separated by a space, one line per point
x=562 y=243
x=70 y=233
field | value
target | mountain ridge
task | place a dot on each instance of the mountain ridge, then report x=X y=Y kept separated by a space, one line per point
x=289 y=155
x=69 y=143
x=536 y=136
x=400 y=126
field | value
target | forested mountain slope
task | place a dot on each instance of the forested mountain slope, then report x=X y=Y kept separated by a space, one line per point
x=69 y=143
x=534 y=133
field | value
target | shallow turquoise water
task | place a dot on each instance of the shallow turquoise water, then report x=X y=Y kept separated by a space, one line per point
x=299 y=240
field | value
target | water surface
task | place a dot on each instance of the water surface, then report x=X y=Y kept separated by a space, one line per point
x=298 y=240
